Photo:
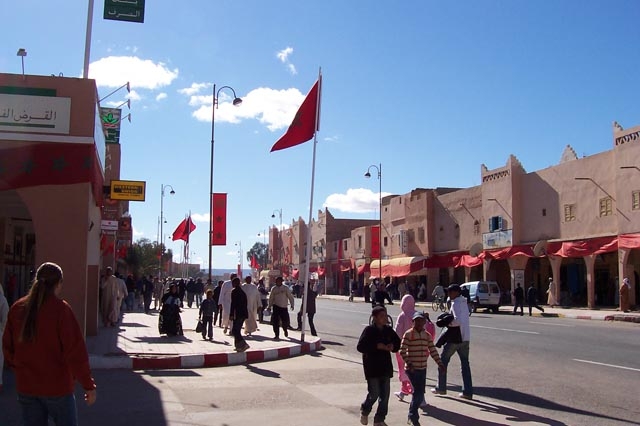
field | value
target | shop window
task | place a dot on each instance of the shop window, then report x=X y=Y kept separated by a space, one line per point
x=635 y=200
x=359 y=241
x=421 y=235
x=606 y=206
x=335 y=246
x=569 y=212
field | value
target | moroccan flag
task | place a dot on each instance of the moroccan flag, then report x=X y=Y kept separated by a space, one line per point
x=183 y=230
x=254 y=262
x=375 y=242
x=304 y=124
x=219 y=219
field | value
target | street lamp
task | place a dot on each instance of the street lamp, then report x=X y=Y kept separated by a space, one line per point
x=162 y=188
x=240 y=257
x=22 y=53
x=368 y=175
x=236 y=101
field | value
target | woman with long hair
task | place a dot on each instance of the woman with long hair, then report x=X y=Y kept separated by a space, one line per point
x=45 y=347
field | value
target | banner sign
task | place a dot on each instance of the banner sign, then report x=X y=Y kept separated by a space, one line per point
x=375 y=242
x=109 y=225
x=110 y=118
x=128 y=190
x=124 y=10
x=219 y=220
x=35 y=114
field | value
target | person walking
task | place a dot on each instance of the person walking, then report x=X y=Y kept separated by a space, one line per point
x=532 y=299
x=367 y=292
x=44 y=346
x=279 y=297
x=191 y=292
x=207 y=308
x=376 y=343
x=264 y=299
x=148 y=294
x=216 y=297
x=253 y=304
x=551 y=294
x=4 y=312
x=108 y=308
x=381 y=295
x=224 y=301
x=415 y=348
x=460 y=312
x=158 y=289
x=237 y=314
x=311 y=310
x=624 y=295
x=199 y=291
x=518 y=293
x=354 y=290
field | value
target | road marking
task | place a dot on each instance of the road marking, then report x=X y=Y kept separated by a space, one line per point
x=551 y=323
x=505 y=329
x=347 y=310
x=607 y=365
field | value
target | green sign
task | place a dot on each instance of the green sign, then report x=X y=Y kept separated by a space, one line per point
x=110 y=118
x=124 y=10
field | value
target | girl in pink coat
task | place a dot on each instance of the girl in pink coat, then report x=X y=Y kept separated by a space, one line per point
x=404 y=323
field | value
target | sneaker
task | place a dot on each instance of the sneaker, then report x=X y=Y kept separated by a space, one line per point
x=413 y=422
x=364 y=419
x=436 y=391
x=399 y=395
x=464 y=396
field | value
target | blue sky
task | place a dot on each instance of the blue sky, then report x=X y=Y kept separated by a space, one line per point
x=430 y=89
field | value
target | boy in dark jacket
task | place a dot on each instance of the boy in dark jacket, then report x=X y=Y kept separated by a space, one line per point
x=207 y=308
x=376 y=344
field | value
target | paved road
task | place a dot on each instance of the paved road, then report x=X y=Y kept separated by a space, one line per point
x=578 y=371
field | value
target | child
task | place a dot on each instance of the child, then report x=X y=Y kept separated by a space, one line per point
x=376 y=344
x=415 y=344
x=207 y=308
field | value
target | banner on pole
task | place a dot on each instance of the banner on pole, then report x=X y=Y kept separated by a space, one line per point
x=219 y=219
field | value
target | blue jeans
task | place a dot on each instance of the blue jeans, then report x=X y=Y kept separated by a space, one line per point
x=37 y=410
x=378 y=389
x=418 y=380
x=463 y=352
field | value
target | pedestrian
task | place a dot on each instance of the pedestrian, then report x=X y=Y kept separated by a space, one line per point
x=376 y=343
x=311 y=310
x=417 y=345
x=148 y=294
x=121 y=296
x=4 y=312
x=182 y=290
x=354 y=290
x=381 y=295
x=264 y=299
x=438 y=293
x=422 y=293
x=518 y=293
x=367 y=292
x=253 y=305
x=199 y=290
x=279 y=297
x=551 y=294
x=460 y=312
x=44 y=346
x=238 y=313
x=191 y=292
x=402 y=289
x=216 y=298
x=169 y=321
x=140 y=292
x=224 y=301
x=624 y=295
x=108 y=309
x=157 y=292
x=207 y=308
x=532 y=299
x=131 y=292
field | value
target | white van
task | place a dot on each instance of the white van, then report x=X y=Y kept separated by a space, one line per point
x=483 y=294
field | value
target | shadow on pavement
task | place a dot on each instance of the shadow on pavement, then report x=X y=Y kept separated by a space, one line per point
x=133 y=324
x=510 y=395
x=163 y=339
x=453 y=418
x=263 y=371
x=330 y=343
x=171 y=373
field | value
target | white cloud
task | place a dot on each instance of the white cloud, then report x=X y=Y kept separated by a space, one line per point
x=274 y=108
x=331 y=139
x=114 y=71
x=283 y=55
x=356 y=200
x=197 y=217
x=231 y=253
x=134 y=96
x=195 y=88
x=137 y=233
x=161 y=96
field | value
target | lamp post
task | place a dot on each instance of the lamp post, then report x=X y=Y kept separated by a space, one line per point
x=22 y=53
x=236 y=101
x=273 y=215
x=162 y=188
x=240 y=257
x=368 y=175
x=264 y=243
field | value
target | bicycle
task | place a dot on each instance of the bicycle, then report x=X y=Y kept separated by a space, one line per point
x=438 y=303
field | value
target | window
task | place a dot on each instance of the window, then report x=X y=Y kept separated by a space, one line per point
x=359 y=241
x=335 y=246
x=569 y=212
x=385 y=241
x=544 y=212
x=606 y=207
x=421 y=235
x=345 y=245
x=635 y=200
x=476 y=228
x=495 y=223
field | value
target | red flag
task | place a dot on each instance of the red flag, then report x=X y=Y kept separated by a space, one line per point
x=219 y=220
x=375 y=242
x=183 y=230
x=304 y=124
x=254 y=262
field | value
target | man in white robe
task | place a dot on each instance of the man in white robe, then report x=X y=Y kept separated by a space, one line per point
x=225 y=301
x=110 y=288
x=253 y=303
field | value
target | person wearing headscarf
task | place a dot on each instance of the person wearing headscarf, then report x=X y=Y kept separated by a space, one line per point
x=551 y=294
x=624 y=295
x=169 y=321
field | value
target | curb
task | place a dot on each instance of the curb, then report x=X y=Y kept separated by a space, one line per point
x=101 y=362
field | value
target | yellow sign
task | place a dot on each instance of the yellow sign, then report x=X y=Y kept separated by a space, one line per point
x=128 y=190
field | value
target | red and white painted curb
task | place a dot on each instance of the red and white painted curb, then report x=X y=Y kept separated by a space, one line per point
x=100 y=362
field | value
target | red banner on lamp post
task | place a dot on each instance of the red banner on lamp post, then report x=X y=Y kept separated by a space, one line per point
x=219 y=219
x=375 y=242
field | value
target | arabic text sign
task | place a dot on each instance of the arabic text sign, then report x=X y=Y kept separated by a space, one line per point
x=130 y=190
x=109 y=225
x=110 y=118
x=498 y=239
x=35 y=114
x=124 y=10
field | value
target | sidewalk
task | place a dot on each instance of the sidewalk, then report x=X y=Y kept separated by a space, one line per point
x=136 y=344
x=558 y=312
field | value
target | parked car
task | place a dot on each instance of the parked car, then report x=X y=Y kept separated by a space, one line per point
x=483 y=294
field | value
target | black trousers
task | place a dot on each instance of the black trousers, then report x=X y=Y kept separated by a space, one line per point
x=312 y=327
x=279 y=317
x=236 y=331
x=207 y=321
x=217 y=320
x=520 y=304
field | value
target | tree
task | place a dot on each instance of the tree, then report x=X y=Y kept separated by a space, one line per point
x=143 y=257
x=261 y=252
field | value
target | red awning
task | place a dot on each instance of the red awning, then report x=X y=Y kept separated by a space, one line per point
x=629 y=241
x=364 y=268
x=398 y=267
x=507 y=252
x=581 y=248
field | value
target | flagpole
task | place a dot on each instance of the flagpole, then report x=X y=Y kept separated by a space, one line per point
x=307 y=256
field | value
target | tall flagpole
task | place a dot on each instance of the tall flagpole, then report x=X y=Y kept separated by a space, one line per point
x=307 y=255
